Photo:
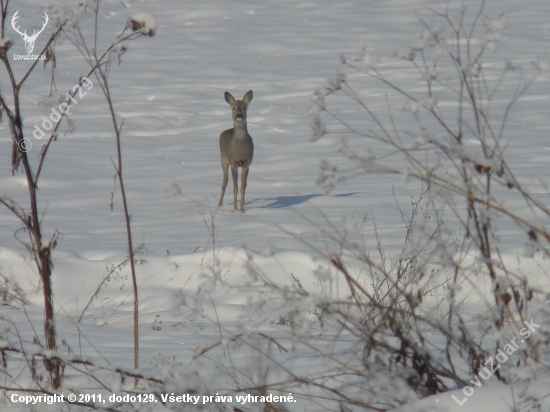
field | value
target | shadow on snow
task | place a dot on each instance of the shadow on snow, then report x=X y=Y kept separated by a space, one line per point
x=289 y=201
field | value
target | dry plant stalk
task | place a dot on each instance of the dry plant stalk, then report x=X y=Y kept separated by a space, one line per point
x=39 y=247
x=135 y=30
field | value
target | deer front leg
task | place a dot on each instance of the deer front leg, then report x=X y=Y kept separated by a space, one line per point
x=234 y=173
x=244 y=177
x=225 y=166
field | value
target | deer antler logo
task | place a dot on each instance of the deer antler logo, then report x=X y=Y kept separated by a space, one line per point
x=29 y=40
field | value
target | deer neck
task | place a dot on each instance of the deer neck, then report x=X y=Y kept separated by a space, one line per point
x=240 y=132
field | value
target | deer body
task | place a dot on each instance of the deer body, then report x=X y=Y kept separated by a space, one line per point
x=236 y=148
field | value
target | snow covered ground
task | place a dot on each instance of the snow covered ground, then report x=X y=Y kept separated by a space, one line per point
x=169 y=90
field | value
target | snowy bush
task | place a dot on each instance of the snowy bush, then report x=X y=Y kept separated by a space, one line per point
x=446 y=127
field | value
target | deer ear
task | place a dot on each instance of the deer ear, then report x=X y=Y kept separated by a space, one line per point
x=228 y=98
x=248 y=97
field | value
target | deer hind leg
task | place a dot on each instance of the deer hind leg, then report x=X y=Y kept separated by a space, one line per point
x=235 y=174
x=225 y=167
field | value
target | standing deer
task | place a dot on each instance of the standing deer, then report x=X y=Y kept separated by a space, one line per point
x=236 y=147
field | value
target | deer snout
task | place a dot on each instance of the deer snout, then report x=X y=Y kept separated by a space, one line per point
x=239 y=117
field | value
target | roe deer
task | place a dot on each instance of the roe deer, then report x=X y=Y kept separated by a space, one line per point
x=236 y=147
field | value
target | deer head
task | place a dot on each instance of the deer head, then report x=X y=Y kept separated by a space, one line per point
x=29 y=40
